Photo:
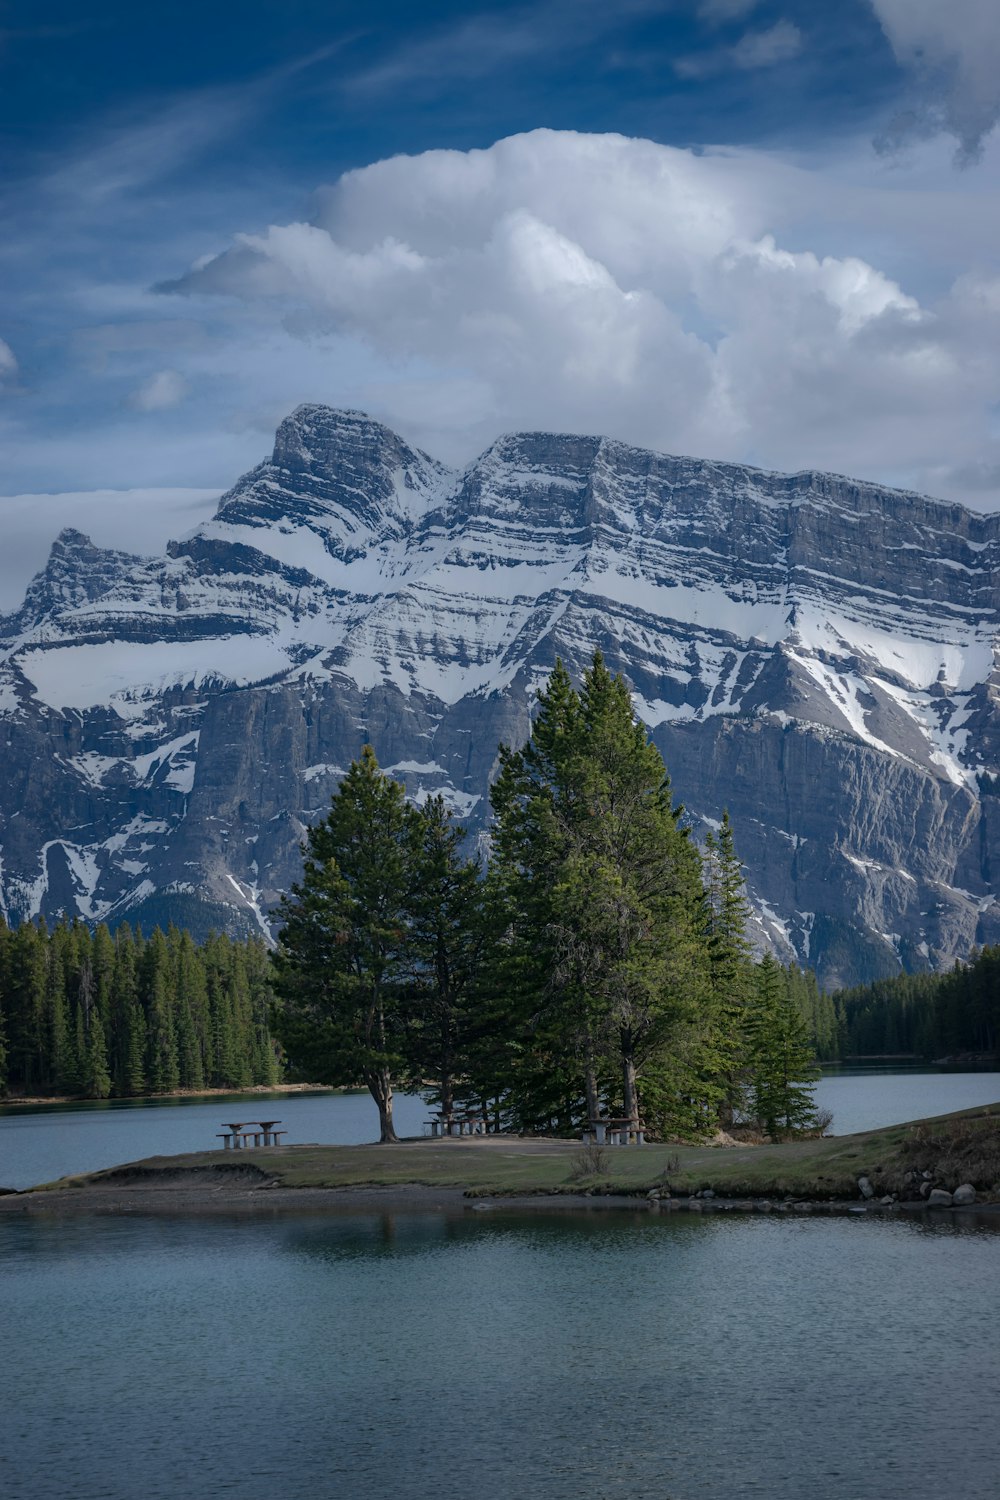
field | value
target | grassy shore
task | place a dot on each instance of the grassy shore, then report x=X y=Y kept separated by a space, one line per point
x=954 y=1149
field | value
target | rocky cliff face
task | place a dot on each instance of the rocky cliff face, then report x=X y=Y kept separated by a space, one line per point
x=815 y=654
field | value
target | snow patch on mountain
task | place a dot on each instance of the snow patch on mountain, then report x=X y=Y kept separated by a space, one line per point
x=194 y=711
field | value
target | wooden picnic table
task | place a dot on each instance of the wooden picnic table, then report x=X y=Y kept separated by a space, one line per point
x=614 y=1130
x=235 y=1135
x=459 y=1122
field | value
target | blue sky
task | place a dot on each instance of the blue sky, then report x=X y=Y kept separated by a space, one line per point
x=753 y=229
x=340 y=85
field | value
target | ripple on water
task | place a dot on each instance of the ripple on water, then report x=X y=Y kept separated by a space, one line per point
x=407 y=1356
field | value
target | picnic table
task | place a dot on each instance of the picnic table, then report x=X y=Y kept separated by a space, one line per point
x=237 y=1134
x=614 y=1131
x=458 y=1122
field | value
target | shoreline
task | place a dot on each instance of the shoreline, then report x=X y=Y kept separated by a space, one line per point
x=206 y=1200
x=252 y=1090
x=893 y=1170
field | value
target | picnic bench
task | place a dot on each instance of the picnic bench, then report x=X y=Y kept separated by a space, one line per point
x=607 y=1130
x=458 y=1122
x=241 y=1135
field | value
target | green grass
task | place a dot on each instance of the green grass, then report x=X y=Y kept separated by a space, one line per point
x=962 y=1147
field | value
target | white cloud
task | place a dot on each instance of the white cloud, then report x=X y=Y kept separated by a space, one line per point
x=953 y=50
x=8 y=364
x=763 y=49
x=165 y=389
x=755 y=49
x=141 y=521
x=598 y=283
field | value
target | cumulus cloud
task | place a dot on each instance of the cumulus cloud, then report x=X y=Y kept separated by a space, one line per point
x=756 y=49
x=953 y=51
x=165 y=389
x=8 y=364
x=603 y=284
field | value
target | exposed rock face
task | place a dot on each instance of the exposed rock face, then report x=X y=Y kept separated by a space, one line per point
x=815 y=654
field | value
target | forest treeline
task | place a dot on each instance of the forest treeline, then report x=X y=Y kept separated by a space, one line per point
x=599 y=964
x=928 y=1015
x=95 y=1015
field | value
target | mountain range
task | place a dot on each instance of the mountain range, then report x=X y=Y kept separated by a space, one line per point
x=816 y=654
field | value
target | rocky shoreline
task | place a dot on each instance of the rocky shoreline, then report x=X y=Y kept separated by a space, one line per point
x=209 y=1197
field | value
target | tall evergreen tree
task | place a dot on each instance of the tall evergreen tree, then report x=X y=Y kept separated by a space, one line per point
x=443 y=911
x=781 y=1061
x=342 y=957
x=731 y=971
x=96 y=1077
x=603 y=884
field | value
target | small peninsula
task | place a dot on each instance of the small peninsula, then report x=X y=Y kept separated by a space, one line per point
x=921 y=1164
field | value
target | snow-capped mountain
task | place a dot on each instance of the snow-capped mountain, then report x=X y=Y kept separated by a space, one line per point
x=815 y=654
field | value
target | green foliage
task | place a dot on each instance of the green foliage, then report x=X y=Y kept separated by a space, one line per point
x=445 y=941
x=924 y=1015
x=724 y=1056
x=780 y=1057
x=601 y=939
x=591 y=969
x=93 y=1015
x=599 y=965
x=344 y=952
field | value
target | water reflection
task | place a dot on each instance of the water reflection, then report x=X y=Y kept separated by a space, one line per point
x=397 y=1355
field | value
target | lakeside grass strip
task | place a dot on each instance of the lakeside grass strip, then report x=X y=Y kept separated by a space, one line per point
x=964 y=1145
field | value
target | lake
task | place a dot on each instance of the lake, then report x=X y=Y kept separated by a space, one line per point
x=39 y=1144
x=406 y=1357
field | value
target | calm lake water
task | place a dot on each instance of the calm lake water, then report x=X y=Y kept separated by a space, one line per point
x=414 y=1357
x=41 y=1144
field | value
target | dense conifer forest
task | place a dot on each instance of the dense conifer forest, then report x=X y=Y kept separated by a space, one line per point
x=928 y=1015
x=95 y=1015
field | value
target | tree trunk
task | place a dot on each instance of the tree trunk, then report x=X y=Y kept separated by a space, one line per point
x=628 y=1086
x=590 y=1088
x=380 y=1088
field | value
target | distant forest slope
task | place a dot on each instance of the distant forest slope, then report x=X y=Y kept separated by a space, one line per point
x=90 y=1014
x=929 y=1015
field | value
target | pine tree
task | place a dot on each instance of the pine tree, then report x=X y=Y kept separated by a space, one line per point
x=539 y=998
x=781 y=1061
x=603 y=887
x=27 y=1041
x=134 y=1052
x=156 y=993
x=443 y=906
x=64 y=1063
x=128 y=1040
x=343 y=954
x=731 y=971
x=102 y=958
x=96 y=1078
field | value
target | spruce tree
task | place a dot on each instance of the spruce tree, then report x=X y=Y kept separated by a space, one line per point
x=540 y=1000
x=443 y=908
x=731 y=970
x=782 y=1066
x=342 y=958
x=603 y=888
x=29 y=1056
x=96 y=1077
